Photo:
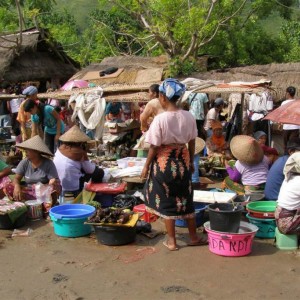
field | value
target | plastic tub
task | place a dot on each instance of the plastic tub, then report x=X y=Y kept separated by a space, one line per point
x=115 y=235
x=223 y=218
x=68 y=219
x=72 y=211
x=231 y=244
x=262 y=206
x=35 y=209
x=71 y=227
x=261 y=215
x=199 y=210
x=105 y=200
x=266 y=227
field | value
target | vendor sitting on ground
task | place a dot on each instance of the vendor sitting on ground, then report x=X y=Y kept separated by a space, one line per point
x=35 y=168
x=287 y=213
x=275 y=175
x=113 y=111
x=216 y=144
x=270 y=152
x=5 y=170
x=249 y=174
x=72 y=163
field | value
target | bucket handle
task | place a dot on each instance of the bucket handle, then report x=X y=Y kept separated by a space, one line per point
x=226 y=237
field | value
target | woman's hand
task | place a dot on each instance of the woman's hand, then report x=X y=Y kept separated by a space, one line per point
x=145 y=172
x=52 y=181
x=17 y=192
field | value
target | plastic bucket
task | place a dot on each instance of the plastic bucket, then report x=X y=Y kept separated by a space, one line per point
x=266 y=227
x=223 y=218
x=71 y=227
x=199 y=210
x=231 y=244
x=35 y=209
x=72 y=211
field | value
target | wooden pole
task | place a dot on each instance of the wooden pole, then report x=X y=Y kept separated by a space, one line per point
x=241 y=121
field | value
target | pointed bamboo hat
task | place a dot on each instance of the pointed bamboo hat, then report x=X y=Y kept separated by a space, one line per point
x=74 y=135
x=246 y=149
x=199 y=145
x=37 y=144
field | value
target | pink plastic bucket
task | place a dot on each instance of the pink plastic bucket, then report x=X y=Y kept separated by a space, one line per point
x=231 y=244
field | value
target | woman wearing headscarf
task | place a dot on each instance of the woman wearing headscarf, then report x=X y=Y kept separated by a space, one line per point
x=287 y=213
x=169 y=165
x=23 y=117
x=270 y=152
x=216 y=144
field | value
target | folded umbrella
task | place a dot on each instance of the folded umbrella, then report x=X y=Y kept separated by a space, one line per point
x=286 y=114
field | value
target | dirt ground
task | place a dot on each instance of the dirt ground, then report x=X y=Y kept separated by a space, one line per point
x=45 y=266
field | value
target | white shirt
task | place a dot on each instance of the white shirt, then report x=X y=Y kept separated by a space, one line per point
x=260 y=104
x=15 y=105
x=289 y=194
x=211 y=115
x=289 y=126
x=69 y=171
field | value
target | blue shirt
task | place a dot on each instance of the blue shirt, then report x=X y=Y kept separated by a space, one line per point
x=197 y=105
x=49 y=121
x=275 y=178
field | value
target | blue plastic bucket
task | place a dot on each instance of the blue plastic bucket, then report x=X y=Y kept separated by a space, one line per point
x=70 y=227
x=68 y=219
x=106 y=200
x=266 y=227
x=75 y=211
x=199 y=210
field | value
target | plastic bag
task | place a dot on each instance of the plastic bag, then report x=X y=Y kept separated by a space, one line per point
x=43 y=192
x=23 y=233
x=125 y=201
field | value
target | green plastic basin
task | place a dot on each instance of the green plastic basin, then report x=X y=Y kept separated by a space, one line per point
x=262 y=206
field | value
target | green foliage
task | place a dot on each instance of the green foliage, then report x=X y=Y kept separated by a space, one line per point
x=291 y=38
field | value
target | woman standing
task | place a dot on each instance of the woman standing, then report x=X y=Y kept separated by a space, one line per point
x=169 y=165
x=47 y=117
x=23 y=117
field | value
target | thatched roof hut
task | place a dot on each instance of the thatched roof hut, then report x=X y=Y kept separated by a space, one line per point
x=33 y=55
x=131 y=70
x=282 y=75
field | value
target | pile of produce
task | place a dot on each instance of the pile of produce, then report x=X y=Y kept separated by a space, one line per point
x=111 y=215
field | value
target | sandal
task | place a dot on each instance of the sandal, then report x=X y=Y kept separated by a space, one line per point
x=165 y=243
x=201 y=242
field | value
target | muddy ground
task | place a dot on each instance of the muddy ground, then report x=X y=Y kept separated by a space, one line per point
x=45 y=266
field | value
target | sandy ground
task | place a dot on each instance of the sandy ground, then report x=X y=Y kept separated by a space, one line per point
x=45 y=266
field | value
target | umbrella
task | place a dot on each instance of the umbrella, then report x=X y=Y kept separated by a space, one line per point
x=286 y=114
x=75 y=84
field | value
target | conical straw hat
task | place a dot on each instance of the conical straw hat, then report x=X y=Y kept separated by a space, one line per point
x=246 y=149
x=37 y=144
x=74 y=135
x=199 y=145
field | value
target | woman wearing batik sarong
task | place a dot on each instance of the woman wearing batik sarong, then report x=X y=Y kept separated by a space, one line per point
x=287 y=213
x=169 y=165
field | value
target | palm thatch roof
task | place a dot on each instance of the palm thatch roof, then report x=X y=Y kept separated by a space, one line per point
x=282 y=76
x=33 y=55
x=131 y=70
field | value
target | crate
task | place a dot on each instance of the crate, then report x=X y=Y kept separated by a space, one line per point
x=145 y=216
